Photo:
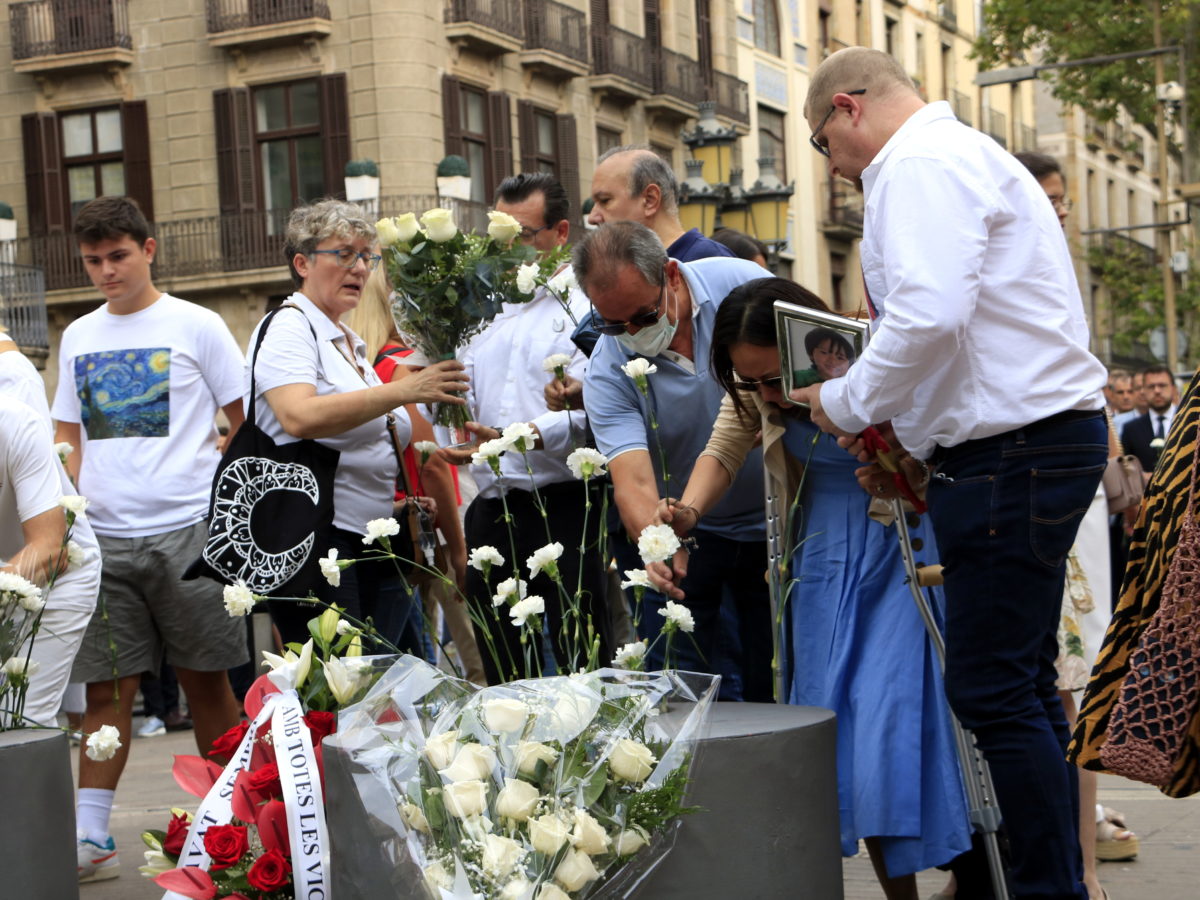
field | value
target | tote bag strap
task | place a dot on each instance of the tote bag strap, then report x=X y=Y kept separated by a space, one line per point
x=262 y=332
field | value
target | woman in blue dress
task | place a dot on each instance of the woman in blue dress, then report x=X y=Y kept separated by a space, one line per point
x=852 y=638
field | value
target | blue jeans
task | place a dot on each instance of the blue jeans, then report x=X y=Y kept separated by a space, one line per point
x=1005 y=511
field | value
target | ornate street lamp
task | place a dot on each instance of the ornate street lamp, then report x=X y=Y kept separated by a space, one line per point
x=698 y=200
x=769 y=200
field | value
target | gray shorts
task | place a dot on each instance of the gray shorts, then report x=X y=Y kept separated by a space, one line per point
x=146 y=611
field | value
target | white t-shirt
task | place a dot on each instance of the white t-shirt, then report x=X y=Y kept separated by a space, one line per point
x=32 y=480
x=19 y=379
x=145 y=388
x=364 y=484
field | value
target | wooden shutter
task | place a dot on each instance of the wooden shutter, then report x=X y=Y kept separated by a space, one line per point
x=527 y=135
x=135 y=142
x=236 y=173
x=335 y=132
x=704 y=42
x=568 y=167
x=43 y=173
x=452 y=117
x=499 y=124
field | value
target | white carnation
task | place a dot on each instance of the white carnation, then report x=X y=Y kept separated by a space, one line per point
x=586 y=462
x=556 y=361
x=679 y=616
x=103 y=743
x=562 y=283
x=63 y=449
x=657 y=543
x=75 y=555
x=636 y=578
x=545 y=559
x=509 y=587
x=630 y=654
x=18 y=667
x=639 y=368
x=492 y=449
x=482 y=557
x=330 y=568
x=378 y=528
x=520 y=435
x=74 y=503
x=239 y=600
x=530 y=606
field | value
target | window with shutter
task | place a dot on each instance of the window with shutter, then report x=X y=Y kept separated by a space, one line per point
x=43 y=173
x=452 y=115
x=568 y=165
x=335 y=131
x=135 y=138
x=499 y=139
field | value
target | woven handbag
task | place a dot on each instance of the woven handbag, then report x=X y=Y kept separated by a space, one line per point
x=1158 y=699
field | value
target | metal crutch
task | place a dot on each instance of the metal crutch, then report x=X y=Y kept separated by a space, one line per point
x=977 y=777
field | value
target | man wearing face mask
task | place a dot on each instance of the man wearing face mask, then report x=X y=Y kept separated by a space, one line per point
x=662 y=310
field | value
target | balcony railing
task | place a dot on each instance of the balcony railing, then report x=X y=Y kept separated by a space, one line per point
x=622 y=53
x=995 y=123
x=1120 y=245
x=732 y=96
x=54 y=27
x=961 y=104
x=844 y=212
x=23 y=304
x=503 y=16
x=232 y=15
x=679 y=76
x=210 y=245
x=556 y=27
x=1026 y=137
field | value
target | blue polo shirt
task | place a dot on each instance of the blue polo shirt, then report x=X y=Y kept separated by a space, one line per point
x=685 y=402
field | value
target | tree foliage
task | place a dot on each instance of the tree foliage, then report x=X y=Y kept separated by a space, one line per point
x=1017 y=32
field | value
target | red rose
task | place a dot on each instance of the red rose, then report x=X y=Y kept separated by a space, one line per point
x=226 y=745
x=270 y=872
x=176 y=835
x=265 y=780
x=320 y=724
x=225 y=844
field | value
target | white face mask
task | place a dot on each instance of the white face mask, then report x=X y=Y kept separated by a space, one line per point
x=650 y=340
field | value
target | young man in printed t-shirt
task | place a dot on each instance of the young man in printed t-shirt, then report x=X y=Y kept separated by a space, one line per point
x=140 y=382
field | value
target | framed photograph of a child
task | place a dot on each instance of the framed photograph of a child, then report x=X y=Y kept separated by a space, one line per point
x=815 y=346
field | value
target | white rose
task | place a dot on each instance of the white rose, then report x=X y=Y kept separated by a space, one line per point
x=550 y=891
x=515 y=889
x=385 y=231
x=657 y=543
x=636 y=578
x=517 y=799
x=588 y=834
x=575 y=870
x=438 y=877
x=379 y=528
x=629 y=842
x=530 y=753
x=73 y=503
x=501 y=854
x=471 y=762
x=465 y=798
x=679 y=616
x=414 y=818
x=520 y=611
x=330 y=568
x=547 y=833
x=562 y=283
x=239 y=600
x=406 y=227
x=585 y=462
x=75 y=555
x=545 y=559
x=482 y=557
x=505 y=715
x=631 y=761
x=527 y=276
x=502 y=227
x=556 y=361
x=639 y=367
x=103 y=743
x=440 y=749
x=19 y=668
x=630 y=655
x=439 y=225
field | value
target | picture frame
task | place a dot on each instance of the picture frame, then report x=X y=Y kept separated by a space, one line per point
x=815 y=346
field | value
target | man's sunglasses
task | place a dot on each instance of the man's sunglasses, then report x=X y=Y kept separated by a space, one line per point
x=641 y=320
x=815 y=138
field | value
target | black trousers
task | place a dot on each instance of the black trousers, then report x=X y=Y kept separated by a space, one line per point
x=564 y=521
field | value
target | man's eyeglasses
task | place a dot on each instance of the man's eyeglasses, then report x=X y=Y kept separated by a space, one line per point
x=1062 y=204
x=346 y=258
x=641 y=320
x=528 y=234
x=815 y=139
x=753 y=384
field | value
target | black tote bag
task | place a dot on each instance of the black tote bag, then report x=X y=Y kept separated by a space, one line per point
x=271 y=509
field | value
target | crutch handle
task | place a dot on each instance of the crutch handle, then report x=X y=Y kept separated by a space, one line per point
x=929 y=576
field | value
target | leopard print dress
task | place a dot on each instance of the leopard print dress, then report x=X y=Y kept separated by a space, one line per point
x=1150 y=551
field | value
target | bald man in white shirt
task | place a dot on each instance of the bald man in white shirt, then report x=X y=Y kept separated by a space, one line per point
x=978 y=358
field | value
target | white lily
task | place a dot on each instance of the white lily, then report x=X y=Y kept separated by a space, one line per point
x=289 y=671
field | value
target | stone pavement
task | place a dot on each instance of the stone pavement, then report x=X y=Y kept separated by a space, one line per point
x=1168 y=867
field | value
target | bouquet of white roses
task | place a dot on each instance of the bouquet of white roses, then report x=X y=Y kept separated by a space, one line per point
x=543 y=789
x=449 y=284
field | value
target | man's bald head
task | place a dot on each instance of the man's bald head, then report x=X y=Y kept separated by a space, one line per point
x=852 y=69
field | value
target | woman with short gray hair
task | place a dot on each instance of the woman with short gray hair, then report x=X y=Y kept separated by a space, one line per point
x=313 y=374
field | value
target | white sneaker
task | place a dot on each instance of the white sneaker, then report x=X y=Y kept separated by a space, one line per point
x=152 y=727
x=96 y=862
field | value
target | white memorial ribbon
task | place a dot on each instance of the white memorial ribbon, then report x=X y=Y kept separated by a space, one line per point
x=303 y=797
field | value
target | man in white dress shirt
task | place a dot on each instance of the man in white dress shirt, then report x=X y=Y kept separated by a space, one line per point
x=505 y=367
x=965 y=262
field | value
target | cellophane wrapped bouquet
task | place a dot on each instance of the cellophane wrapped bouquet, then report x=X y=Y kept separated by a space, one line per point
x=542 y=789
